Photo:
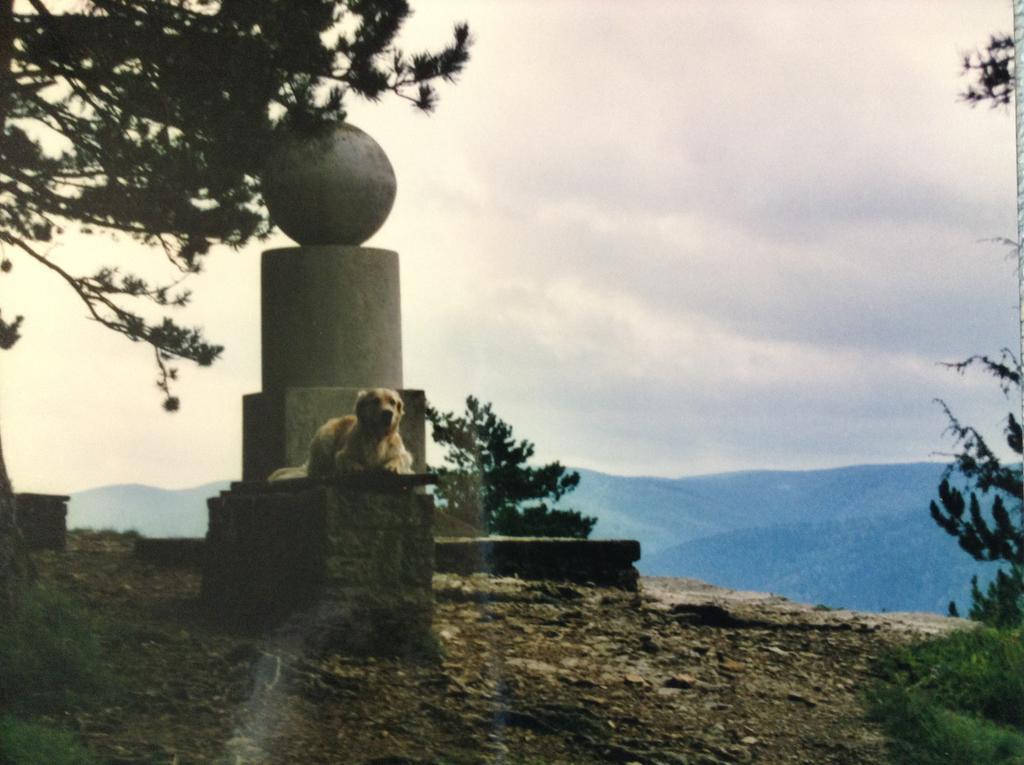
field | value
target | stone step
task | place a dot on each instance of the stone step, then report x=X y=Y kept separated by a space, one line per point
x=606 y=562
x=600 y=561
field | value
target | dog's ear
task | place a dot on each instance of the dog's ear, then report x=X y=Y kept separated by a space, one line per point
x=399 y=404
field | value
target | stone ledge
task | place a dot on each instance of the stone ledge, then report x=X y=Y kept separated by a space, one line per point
x=172 y=552
x=371 y=480
x=604 y=562
x=599 y=561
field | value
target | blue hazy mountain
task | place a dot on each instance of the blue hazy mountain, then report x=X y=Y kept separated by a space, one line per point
x=900 y=562
x=859 y=537
x=148 y=510
x=663 y=512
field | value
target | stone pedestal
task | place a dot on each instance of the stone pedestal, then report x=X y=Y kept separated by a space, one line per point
x=331 y=318
x=357 y=563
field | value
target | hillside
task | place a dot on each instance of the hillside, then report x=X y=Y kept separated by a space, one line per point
x=525 y=672
x=900 y=562
x=664 y=512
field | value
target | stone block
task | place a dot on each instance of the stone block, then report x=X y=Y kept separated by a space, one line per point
x=42 y=519
x=356 y=562
x=171 y=552
x=599 y=561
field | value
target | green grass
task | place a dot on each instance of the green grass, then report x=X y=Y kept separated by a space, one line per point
x=923 y=732
x=50 y=660
x=25 y=743
x=50 y=655
x=955 y=699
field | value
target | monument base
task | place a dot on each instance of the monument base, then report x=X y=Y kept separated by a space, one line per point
x=351 y=569
x=277 y=427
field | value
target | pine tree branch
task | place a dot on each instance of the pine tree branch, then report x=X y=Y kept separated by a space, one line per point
x=7 y=36
x=167 y=339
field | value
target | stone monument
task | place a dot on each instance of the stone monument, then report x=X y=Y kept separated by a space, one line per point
x=348 y=561
x=331 y=308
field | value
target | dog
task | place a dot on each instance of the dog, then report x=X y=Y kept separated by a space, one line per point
x=367 y=440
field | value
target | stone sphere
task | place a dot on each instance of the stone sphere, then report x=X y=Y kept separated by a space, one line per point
x=335 y=187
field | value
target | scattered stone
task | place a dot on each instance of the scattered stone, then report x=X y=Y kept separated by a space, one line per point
x=707 y=614
x=649 y=644
x=801 y=699
x=487 y=696
x=681 y=681
x=533 y=665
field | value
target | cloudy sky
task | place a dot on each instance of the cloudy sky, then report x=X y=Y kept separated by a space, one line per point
x=664 y=238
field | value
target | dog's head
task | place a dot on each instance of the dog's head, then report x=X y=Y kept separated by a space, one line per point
x=379 y=410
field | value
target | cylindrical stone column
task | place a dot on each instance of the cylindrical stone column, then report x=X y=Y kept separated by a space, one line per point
x=331 y=317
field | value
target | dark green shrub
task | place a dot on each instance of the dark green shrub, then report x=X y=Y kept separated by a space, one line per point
x=1002 y=602
x=50 y=655
x=978 y=671
x=955 y=699
x=923 y=732
x=24 y=743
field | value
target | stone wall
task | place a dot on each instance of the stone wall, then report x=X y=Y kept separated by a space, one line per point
x=42 y=519
x=606 y=562
x=350 y=565
x=172 y=552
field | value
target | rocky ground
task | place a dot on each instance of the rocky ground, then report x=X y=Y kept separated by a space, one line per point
x=524 y=672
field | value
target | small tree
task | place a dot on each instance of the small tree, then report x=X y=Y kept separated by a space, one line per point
x=995 y=533
x=488 y=484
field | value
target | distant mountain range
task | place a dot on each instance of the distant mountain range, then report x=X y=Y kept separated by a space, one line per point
x=150 y=511
x=663 y=512
x=856 y=537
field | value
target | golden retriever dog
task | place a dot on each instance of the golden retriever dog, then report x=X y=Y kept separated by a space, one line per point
x=367 y=440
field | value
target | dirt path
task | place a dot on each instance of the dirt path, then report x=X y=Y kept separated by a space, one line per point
x=527 y=672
